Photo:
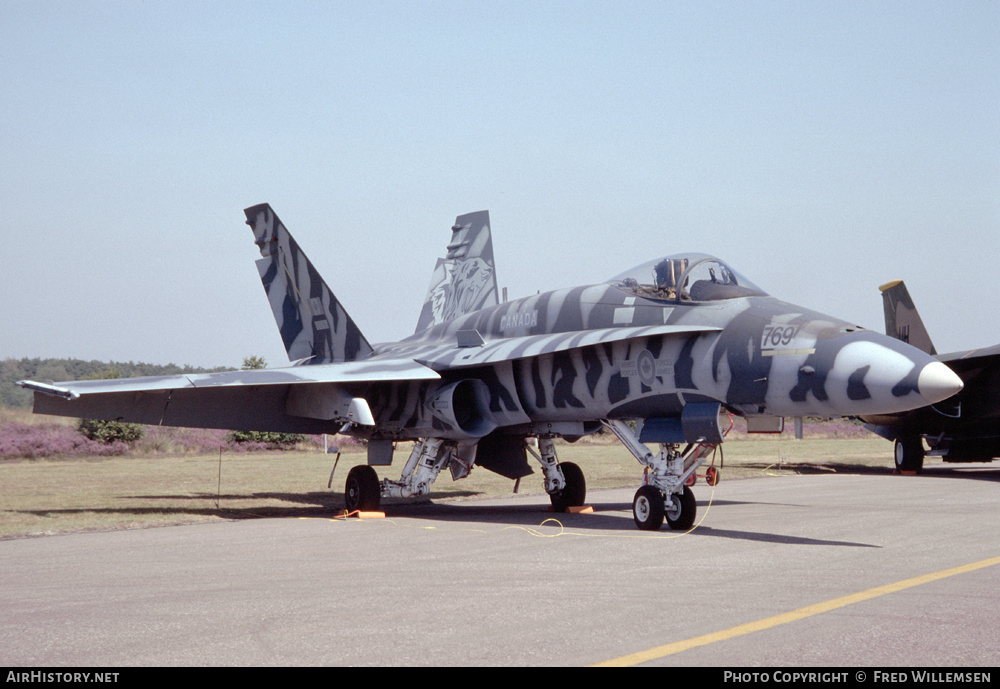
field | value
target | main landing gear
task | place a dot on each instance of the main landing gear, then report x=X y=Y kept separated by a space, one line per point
x=909 y=454
x=564 y=482
x=363 y=492
x=665 y=493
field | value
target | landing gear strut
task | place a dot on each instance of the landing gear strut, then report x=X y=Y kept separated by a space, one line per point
x=364 y=491
x=575 y=492
x=664 y=494
x=564 y=482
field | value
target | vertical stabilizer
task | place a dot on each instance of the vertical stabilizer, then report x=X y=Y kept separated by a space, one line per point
x=312 y=322
x=901 y=318
x=465 y=279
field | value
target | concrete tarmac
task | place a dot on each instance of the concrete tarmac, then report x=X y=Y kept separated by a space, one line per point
x=503 y=582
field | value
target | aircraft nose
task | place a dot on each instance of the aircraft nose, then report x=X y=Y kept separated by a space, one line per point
x=937 y=382
x=865 y=373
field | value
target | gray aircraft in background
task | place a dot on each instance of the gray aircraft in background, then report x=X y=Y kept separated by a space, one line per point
x=963 y=428
x=671 y=345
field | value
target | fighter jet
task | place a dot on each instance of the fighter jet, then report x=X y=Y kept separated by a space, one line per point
x=671 y=345
x=963 y=428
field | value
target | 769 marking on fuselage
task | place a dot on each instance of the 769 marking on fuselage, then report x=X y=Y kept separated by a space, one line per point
x=778 y=335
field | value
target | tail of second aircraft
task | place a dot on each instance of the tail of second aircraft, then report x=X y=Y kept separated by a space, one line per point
x=901 y=318
x=465 y=279
x=313 y=324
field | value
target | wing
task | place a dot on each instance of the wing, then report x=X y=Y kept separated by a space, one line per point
x=298 y=399
x=972 y=360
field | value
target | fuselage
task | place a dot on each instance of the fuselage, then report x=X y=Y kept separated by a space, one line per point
x=731 y=343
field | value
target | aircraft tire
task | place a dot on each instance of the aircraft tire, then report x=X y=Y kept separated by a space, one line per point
x=908 y=454
x=575 y=492
x=648 y=508
x=362 y=491
x=681 y=510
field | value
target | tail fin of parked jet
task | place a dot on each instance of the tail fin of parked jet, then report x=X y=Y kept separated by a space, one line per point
x=901 y=318
x=465 y=279
x=312 y=322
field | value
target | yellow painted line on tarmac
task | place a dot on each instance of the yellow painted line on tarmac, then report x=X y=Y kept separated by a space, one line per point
x=793 y=616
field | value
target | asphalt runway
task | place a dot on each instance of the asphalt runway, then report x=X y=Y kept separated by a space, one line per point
x=503 y=582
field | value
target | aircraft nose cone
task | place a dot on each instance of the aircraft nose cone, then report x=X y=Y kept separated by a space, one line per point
x=937 y=382
x=861 y=374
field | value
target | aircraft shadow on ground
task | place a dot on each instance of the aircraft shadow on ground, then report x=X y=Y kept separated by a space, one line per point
x=975 y=472
x=981 y=472
x=610 y=518
x=807 y=468
x=607 y=516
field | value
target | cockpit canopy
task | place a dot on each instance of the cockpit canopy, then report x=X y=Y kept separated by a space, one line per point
x=686 y=278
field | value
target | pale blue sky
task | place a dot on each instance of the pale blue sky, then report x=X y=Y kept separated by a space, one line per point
x=821 y=148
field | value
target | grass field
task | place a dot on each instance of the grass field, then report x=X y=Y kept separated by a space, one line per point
x=57 y=496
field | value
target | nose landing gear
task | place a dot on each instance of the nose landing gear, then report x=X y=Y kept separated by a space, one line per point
x=665 y=493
